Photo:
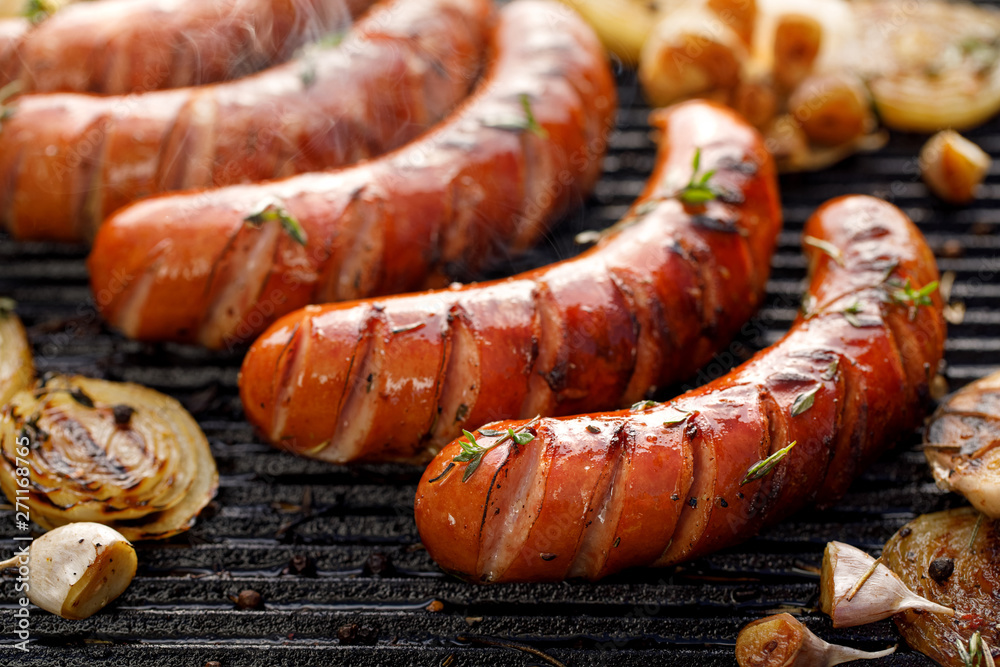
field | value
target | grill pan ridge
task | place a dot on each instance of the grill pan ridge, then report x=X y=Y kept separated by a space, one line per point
x=335 y=553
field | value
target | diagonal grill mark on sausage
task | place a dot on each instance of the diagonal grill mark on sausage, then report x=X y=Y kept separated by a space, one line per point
x=523 y=323
x=878 y=393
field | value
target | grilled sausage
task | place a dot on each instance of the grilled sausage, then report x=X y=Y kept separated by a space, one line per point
x=593 y=494
x=522 y=149
x=117 y=47
x=67 y=161
x=651 y=303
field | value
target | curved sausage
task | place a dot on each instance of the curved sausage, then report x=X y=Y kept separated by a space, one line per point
x=593 y=494
x=514 y=157
x=651 y=303
x=67 y=161
x=116 y=47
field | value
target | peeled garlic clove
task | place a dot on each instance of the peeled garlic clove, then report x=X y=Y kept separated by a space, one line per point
x=691 y=53
x=953 y=167
x=77 y=569
x=833 y=109
x=782 y=641
x=797 y=41
x=853 y=592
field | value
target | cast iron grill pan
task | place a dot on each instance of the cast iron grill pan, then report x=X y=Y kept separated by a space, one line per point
x=335 y=553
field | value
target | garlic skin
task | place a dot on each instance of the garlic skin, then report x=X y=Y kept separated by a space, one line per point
x=782 y=640
x=881 y=595
x=77 y=569
x=953 y=167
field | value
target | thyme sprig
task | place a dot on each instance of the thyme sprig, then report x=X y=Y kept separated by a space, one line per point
x=473 y=452
x=825 y=247
x=905 y=294
x=271 y=211
x=528 y=123
x=762 y=468
x=977 y=654
x=698 y=190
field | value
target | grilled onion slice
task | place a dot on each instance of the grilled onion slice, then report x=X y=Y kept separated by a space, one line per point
x=962 y=444
x=930 y=65
x=950 y=558
x=17 y=370
x=113 y=453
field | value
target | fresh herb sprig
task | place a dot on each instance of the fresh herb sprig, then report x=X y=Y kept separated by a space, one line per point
x=271 y=211
x=473 y=452
x=762 y=468
x=977 y=654
x=906 y=294
x=698 y=190
x=528 y=123
x=825 y=247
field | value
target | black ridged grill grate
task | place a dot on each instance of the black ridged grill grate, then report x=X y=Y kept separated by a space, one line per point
x=366 y=601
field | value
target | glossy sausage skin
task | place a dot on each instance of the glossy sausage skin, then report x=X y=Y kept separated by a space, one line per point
x=652 y=302
x=67 y=161
x=117 y=47
x=188 y=267
x=593 y=494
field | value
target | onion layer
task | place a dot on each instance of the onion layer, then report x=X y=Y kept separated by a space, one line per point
x=113 y=453
x=16 y=366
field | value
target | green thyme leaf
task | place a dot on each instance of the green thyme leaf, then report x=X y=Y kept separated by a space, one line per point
x=270 y=211
x=804 y=401
x=520 y=438
x=642 y=406
x=81 y=397
x=762 y=468
x=826 y=247
x=808 y=306
x=698 y=190
x=851 y=314
x=831 y=370
x=681 y=416
x=473 y=452
x=911 y=297
x=527 y=123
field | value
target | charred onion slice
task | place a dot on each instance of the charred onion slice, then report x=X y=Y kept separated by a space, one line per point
x=963 y=444
x=112 y=453
x=949 y=558
x=930 y=65
x=16 y=367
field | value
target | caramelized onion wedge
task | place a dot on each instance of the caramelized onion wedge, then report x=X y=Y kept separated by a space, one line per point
x=783 y=641
x=962 y=444
x=950 y=558
x=112 y=453
x=16 y=366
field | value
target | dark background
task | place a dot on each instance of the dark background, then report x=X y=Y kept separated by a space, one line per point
x=363 y=597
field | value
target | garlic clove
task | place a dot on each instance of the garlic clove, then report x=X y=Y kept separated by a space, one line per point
x=856 y=589
x=953 y=167
x=783 y=641
x=77 y=569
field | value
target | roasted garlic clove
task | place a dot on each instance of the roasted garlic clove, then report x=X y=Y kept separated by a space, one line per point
x=856 y=589
x=782 y=641
x=75 y=570
x=833 y=109
x=953 y=167
x=691 y=53
x=797 y=41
